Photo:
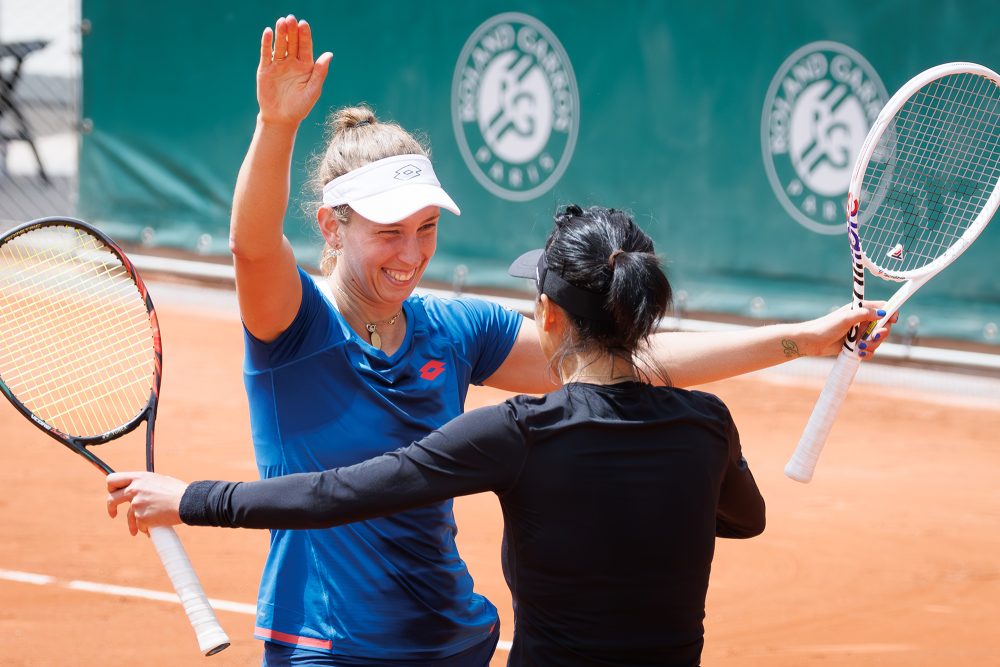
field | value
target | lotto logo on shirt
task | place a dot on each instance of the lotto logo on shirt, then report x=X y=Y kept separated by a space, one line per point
x=432 y=369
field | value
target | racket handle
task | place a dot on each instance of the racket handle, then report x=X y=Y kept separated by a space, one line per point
x=211 y=637
x=803 y=462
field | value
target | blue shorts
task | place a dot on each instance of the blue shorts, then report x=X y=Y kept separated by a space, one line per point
x=279 y=655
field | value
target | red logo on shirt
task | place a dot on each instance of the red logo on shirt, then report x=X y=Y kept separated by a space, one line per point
x=432 y=369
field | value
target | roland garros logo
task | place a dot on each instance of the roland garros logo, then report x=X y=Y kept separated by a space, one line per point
x=817 y=112
x=515 y=106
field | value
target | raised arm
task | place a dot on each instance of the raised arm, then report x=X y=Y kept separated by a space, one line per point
x=289 y=82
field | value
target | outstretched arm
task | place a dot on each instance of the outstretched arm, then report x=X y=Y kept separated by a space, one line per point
x=695 y=358
x=289 y=83
x=481 y=450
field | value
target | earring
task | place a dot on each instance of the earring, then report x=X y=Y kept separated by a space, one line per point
x=336 y=252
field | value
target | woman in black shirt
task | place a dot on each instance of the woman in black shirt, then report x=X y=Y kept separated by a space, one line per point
x=613 y=490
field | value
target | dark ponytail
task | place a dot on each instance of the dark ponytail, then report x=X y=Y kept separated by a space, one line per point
x=604 y=252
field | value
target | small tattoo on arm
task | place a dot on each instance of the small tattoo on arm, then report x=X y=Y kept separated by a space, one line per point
x=791 y=348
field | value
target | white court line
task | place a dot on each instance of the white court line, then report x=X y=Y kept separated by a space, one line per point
x=143 y=593
x=111 y=589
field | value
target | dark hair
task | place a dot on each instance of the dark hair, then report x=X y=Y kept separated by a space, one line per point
x=603 y=251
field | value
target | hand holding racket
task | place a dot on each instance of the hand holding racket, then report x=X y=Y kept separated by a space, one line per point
x=80 y=358
x=153 y=499
x=923 y=188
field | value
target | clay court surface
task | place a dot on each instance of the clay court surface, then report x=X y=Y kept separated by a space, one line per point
x=891 y=556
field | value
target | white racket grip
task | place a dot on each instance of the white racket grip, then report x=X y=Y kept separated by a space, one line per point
x=803 y=462
x=211 y=637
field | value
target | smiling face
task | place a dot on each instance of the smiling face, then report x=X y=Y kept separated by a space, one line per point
x=382 y=263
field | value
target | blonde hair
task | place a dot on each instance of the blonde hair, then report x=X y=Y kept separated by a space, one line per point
x=354 y=138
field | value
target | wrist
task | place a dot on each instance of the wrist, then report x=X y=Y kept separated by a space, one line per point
x=276 y=124
x=795 y=340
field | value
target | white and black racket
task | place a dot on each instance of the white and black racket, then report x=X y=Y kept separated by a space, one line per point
x=923 y=188
x=80 y=357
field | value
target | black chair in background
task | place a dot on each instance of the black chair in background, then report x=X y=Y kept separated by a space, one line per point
x=17 y=52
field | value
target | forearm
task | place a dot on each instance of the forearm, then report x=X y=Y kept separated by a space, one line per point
x=301 y=501
x=262 y=191
x=693 y=358
x=481 y=450
x=380 y=487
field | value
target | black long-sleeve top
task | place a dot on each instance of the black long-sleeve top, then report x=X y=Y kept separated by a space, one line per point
x=612 y=498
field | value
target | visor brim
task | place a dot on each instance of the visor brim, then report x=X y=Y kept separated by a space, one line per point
x=400 y=203
x=526 y=266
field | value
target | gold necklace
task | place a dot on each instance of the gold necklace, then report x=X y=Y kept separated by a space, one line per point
x=376 y=340
x=372 y=327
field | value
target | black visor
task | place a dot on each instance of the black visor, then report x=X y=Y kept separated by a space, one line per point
x=575 y=300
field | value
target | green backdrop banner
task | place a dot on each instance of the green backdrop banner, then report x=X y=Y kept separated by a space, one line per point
x=729 y=129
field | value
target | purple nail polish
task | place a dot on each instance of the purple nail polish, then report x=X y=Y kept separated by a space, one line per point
x=877 y=336
x=862 y=354
x=880 y=312
x=863 y=346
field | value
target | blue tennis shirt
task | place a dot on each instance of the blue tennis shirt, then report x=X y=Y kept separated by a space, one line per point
x=320 y=397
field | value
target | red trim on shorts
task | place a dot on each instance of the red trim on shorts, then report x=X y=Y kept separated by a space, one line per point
x=297 y=640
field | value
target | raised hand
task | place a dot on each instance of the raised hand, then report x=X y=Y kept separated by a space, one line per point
x=289 y=81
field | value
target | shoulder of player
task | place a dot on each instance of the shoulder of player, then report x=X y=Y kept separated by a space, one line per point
x=449 y=305
x=317 y=326
x=546 y=411
x=671 y=402
x=573 y=406
x=453 y=313
x=703 y=402
x=490 y=426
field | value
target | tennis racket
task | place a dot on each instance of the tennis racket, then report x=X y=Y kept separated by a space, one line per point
x=80 y=357
x=923 y=188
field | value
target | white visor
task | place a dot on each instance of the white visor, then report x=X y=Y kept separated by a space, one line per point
x=390 y=189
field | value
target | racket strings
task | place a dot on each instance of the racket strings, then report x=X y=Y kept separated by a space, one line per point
x=90 y=359
x=964 y=138
x=31 y=320
x=932 y=172
x=55 y=404
x=52 y=378
x=76 y=344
